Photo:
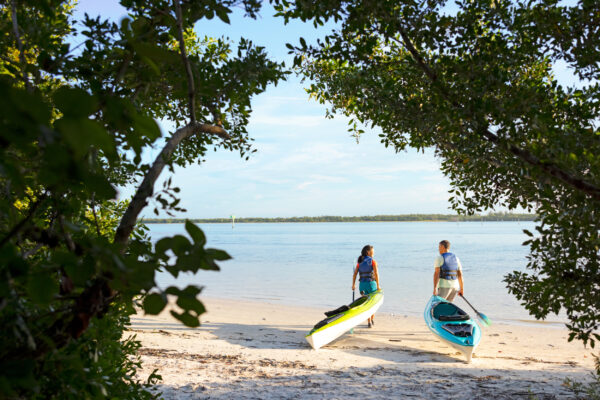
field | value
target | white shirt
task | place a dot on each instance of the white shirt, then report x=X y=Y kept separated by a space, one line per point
x=447 y=283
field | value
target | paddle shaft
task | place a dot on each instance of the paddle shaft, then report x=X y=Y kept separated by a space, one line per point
x=483 y=318
x=471 y=305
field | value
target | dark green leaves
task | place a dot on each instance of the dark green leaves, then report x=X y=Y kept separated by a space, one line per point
x=154 y=303
x=29 y=104
x=74 y=125
x=186 y=318
x=189 y=257
x=196 y=233
x=75 y=102
x=81 y=134
x=187 y=301
x=79 y=270
x=42 y=287
x=478 y=86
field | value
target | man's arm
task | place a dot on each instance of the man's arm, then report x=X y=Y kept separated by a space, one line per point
x=436 y=280
x=460 y=282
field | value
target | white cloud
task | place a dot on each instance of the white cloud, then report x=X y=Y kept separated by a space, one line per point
x=304 y=121
x=304 y=185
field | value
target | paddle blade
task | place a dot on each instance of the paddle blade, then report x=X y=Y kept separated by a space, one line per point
x=484 y=319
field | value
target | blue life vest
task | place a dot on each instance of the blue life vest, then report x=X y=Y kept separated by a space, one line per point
x=449 y=269
x=365 y=269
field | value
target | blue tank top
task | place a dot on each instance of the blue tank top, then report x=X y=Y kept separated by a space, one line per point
x=449 y=269
x=365 y=269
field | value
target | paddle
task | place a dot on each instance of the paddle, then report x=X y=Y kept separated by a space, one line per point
x=481 y=316
x=352 y=330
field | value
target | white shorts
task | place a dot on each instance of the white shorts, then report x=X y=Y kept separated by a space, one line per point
x=447 y=293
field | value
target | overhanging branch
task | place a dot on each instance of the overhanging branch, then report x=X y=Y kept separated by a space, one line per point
x=186 y=63
x=526 y=156
x=146 y=188
x=15 y=25
x=97 y=297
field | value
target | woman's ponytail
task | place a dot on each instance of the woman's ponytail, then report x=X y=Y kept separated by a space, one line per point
x=364 y=253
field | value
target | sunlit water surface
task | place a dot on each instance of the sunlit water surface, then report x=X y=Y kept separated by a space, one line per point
x=312 y=263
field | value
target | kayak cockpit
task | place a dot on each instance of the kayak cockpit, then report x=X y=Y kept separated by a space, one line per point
x=448 y=312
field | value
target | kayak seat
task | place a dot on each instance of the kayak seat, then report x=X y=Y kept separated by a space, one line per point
x=344 y=308
x=460 y=330
x=449 y=312
x=326 y=321
x=358 y=302
x=337 y=311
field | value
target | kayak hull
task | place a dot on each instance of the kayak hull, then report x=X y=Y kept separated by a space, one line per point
x=462 y=333
x=344 y=321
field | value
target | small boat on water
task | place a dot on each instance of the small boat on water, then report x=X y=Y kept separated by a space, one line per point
x=343 y=319
x=452 y=326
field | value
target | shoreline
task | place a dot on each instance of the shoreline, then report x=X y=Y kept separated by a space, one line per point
x=196 y=221
x=251 y=350
x=553 y=324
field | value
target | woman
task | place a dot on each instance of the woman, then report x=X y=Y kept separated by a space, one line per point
x=369 y=276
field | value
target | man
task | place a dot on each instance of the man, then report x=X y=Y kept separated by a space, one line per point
x=447 y=278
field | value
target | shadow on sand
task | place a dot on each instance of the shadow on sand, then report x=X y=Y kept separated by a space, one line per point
x=374 y=383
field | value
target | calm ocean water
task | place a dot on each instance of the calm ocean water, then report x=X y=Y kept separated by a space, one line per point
x=312 y=263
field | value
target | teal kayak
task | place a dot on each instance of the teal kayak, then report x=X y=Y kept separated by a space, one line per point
x=452 y=326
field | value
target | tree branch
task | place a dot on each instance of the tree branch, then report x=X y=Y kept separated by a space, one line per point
x=95 y=216
x=15 y=25
x=97 y=297
x=548 y=167
x=22 y=223
x=146 y=188
x=186 y=63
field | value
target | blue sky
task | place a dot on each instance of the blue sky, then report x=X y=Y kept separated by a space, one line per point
x=305 y=164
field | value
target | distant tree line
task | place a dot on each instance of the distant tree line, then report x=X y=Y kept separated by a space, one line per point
x=364 y=218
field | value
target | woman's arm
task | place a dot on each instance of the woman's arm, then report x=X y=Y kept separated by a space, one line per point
x=354 y=277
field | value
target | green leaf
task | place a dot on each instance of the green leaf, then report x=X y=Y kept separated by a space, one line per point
x=162 y=246
x=81 y=133
x=75 y=102
x=154 y=303
x=187 y=303
x=146 y=126
x=100 y=186
x=187 y=319
x=219 y=255
x=180 y=244
x=195 y=233
x=42 y=287
x=222 y=14
x=19 y=373
x=79 y=273
x=30 y=103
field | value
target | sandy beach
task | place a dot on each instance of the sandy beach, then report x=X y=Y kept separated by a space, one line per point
x=248 y=350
